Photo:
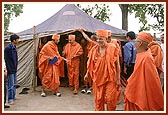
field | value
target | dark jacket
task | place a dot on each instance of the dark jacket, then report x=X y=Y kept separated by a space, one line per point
x=11 y=58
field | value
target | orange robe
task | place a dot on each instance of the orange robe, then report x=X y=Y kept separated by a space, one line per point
x=157 y=55
x=83 y=61
x=103 y=73
x=71 y=50
x=50 y=74
x=143 y=91
x=118 y=44
x=89 y=46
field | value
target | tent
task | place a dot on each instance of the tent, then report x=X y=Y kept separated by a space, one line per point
x=65 y=21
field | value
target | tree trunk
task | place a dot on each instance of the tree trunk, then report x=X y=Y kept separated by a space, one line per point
x=124 y=10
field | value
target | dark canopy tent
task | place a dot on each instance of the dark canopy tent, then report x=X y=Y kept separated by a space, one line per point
x=70 y=17
x=64 y=22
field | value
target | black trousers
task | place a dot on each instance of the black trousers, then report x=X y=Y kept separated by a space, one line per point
x=129 y=71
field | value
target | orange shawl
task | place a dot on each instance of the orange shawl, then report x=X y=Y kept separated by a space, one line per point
x=144 y=88
x=102 y=70
x=72 y=50
x=50 y=74
x=157 y=54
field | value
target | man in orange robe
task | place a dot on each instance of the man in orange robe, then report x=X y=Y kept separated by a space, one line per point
x=103 y=66
x=157 y=54
x=88 y=82
x=117 y=43
x=143 y=91
x=91 y=42
x=72 y=52
x=51 y=72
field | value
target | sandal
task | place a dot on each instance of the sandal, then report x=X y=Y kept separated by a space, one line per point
x=43 y=94
x=58 y=94
x=83 y=91
x=89 y=91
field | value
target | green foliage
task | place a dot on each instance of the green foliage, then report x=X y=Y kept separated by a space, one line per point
x=11 y=11
x=147 y=11
x=100 y=12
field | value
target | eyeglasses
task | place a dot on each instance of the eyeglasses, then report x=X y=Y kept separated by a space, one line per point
x=137 y=41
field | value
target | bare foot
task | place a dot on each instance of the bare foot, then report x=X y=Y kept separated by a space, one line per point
x=11 y=103
x=75 y=91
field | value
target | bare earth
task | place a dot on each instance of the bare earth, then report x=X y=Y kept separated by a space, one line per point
x=68 y=102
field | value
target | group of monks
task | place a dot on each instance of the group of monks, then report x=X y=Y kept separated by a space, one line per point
x=143 y=91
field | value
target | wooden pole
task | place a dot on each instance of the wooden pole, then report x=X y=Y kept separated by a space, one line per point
x=34 y=73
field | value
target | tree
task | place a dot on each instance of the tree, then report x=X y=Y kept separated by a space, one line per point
x=124 y=11
x=100 y=12
x=144 y=12
x=10 y=11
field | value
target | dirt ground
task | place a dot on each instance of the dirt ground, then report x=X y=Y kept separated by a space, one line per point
x=68 y=102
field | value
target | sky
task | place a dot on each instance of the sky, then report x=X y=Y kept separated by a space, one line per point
x=35 y=13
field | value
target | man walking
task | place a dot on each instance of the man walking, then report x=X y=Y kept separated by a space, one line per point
x=51 y=66
x=104 y=69
x=72 y=52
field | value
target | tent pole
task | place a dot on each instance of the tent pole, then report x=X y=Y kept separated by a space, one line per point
x=34 y=73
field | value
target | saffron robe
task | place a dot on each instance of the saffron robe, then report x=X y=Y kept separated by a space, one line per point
x=71 y=51
x=102 y=70
x=143 y=91
x=157 y=54
x=50 y=73
x=89 y=46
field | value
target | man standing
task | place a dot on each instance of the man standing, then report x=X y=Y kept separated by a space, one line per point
x=157 y=55
x=143 y=91
x=103 y=67
x=129 y=54
x=90 y=43
x=72 y=52
x=51 y=66
x=11 y=60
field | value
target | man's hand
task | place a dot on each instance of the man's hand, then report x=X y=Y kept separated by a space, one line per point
x=74 y=56
x=125 y=70
x=86 y=77
x=63 y=53
x=52 y=57
x=5 y=74
x=64 y=59
x=118 y=82
x=67 y=60
x=80 y=30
